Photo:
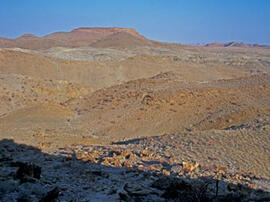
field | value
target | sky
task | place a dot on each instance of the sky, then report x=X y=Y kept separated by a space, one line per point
x=180 y=21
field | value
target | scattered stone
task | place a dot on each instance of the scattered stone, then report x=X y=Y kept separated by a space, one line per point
x=146 y=153
x=189 y=166
x=165 y=172
x=5 y=159
x=127 y=164
x=27 y=171
x=177 y=169
x=146 y=99
x=123 y=196
x=8 y=186
x=51 y=195
x=104 y=180
x=172 y=188
x=157 y=166
x=222 y=170
x=135 y=189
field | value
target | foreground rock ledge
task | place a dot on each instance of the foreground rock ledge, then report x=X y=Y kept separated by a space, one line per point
x=59 y=178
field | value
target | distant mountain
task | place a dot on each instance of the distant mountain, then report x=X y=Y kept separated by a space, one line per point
x=79 y=37
x=233 y=44
x=121 y=40
x=26 y=37
x=101 y=37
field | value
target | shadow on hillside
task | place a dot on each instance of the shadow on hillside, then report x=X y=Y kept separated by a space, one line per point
x=126 y=142
x=27 y=174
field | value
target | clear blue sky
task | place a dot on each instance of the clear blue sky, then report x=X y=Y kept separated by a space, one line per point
x=183 y=21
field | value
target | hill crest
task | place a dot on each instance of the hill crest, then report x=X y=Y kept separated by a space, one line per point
x=79 y=37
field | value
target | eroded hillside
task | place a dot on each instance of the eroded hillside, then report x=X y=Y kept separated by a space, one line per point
x=112 y=101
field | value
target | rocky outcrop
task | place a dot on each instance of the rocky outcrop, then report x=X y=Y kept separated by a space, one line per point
x=64 y=177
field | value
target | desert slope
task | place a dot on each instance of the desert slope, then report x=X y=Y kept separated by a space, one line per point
x=99 y=74
x=107 y=114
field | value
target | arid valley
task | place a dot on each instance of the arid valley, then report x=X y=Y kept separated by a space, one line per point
x=106 y=114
